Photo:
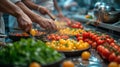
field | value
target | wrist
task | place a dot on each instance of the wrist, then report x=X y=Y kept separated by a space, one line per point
x=18 y=13
x=38 y=8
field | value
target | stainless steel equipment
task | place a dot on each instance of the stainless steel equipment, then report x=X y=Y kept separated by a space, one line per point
x=106 y=13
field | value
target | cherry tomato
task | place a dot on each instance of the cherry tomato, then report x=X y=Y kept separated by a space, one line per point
x=78 y=35
x=85 y=34
x=86 y=40
x=106 y=53
x=53 y=37
x=94 y=37
x=69 y=22
x=99 y=42
x=58 y=37
x=49 y=37
x=64 y=37
x=81 y=27
x=90 y=41
x=75 y=26
x=116 y=47
x=117 y=59
x=85 y=55
x=112 y=56
x=107 y=36
x=91 y=34
x=34 y=64
x=112 y=44
x=112 y=64
x=100 y=49
x=79 y=38
x=119 y=50
x=97 y=38
x=94 y=45
x=110 y=40
x=68 y=64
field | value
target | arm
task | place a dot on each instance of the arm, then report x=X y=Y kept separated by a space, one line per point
x=11 y=9
x=34 y=6
x=27 y=11
x=39 y=8
x=43 y=22
x=57 y=8
x=23 y=21
x=30 y=4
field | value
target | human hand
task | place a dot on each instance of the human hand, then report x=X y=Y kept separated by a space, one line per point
x=43 y=10
x=24 y=22
x=60 y=15
x=47 y=24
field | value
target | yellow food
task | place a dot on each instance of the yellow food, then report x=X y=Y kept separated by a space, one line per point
x=68 y=64
x=113 y=64
x=33 y=32
x=85 y=55
x=68 y=45
x=60 y=25
x=68 y=31
x=62 y=41
x=34 y=64
x=118 y=65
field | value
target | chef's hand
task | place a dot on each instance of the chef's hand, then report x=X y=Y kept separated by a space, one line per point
x=47 y=24
x=60 y=15
x=24 y=22
x=43 y=10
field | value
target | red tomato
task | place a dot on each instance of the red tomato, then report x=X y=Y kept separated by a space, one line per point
x=106 y=53
x=97 y=38
x=112 y=56
x=75 y=26
x=85 y=34
x=79 y=38
x=91 y=34
x=81 y=27
x=100 y=49
x=78 y=35
x=119 y=50
x=90 y=41
x=86 y=40
x=69 y=22
x=58 y=37
x=110 y=40
x=49 y=37
x=116 y=47
x=107 y=36
x=117 y=59
x=99 y=42
x=94 y=45
x=53 y=37
x=94 y=37
x=64 y=37
x=112 y=44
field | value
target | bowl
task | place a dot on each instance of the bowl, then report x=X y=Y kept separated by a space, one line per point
x=17 y=38
x=74 y=53
x=54 y=64
x=57 y=63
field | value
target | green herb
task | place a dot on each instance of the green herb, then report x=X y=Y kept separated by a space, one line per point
x=27 y=51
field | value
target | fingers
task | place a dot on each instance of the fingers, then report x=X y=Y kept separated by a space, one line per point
x=28 y=27
x=25 y=25
x=52 y=25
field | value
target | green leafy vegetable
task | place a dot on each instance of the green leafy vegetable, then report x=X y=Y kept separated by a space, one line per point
x=29 y=50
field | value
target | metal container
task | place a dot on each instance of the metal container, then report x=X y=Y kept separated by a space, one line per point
x=106 y=13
